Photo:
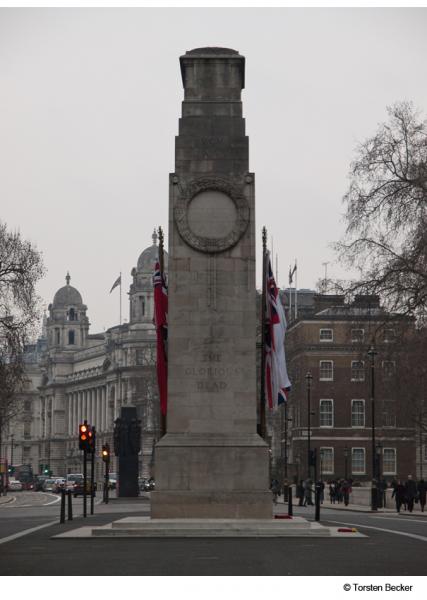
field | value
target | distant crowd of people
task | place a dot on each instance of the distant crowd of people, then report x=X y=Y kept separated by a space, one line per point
x=406 y=494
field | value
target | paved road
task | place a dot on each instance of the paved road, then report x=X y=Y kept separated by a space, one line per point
x=396 y=545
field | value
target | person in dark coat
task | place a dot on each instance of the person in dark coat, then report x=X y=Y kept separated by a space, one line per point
x=421 y=489
x=346 y=491
x=307 y=493
x=399 y=495
x=300 y=493
x=411 y=492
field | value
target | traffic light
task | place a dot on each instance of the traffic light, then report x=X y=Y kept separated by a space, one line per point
x=11 y=470
x=46 y=470
x=91 y=438
x=105 y=453
x=84 y=436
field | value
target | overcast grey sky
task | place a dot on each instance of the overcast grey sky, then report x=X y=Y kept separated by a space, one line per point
x=89 y=107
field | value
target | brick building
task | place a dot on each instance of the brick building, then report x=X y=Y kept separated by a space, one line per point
x=330 y=340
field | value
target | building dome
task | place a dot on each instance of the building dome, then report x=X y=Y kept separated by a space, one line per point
x=67 y=295
x=149 y=257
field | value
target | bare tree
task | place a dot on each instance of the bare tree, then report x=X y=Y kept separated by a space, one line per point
x=386 y=235
x=21 y=267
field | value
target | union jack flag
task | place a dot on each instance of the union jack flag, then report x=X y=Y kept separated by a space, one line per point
x=161 y=324
x=277 y=384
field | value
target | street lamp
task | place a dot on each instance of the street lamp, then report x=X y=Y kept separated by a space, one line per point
x=309 y=379
x=374 y=500
x=345 y=462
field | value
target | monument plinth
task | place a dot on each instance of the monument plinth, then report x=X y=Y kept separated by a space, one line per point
x=212 y=463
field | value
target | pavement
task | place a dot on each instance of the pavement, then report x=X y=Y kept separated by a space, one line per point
x=282 y=507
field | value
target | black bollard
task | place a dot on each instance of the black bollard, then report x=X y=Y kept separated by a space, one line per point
x=317 y=495
x=70 y=505
x=290 y=508
x=62 y=515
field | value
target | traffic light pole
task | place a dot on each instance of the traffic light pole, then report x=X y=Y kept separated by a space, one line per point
x=92 y=479
x=84 y=483
x=107 y=481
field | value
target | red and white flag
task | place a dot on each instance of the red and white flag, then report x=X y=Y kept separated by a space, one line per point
x=277 y=384
x=161 y=324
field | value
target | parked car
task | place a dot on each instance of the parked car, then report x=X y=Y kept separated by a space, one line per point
x=71 y=480
x=112 y=481
x=14 y=485
x=59 y=485
x=78 y=488
x=48 y=485
x=149 y=485
x=38 y=482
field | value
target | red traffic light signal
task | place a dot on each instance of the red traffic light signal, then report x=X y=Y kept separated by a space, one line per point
x=84 y=430
x=91 y=439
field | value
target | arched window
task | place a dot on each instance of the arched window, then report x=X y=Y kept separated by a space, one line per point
x=142 y=301
x=71 y=337
x=72 y=314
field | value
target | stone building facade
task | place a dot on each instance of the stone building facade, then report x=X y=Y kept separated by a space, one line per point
x=74 y=375
x=330 y=340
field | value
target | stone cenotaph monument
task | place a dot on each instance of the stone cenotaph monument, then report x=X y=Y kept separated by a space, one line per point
x=211 y=463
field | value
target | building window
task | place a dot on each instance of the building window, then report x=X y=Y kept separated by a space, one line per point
x=389 y=413
x=357 y=335
x=326 y=413
x=389 y=335
x=27 y=430
x=358 y=413
x=389 y=461
x=389 y=367
x=326 y=335
x=358 y=461
x=326 y=461
x=72 y=315
x=142 y=304
x=71 y=337
x=357 y=370
x=57 y=336
x=326 y=370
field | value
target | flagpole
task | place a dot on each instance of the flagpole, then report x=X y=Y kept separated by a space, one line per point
x=120 y=298
x=161 y=264
x=263 y=311
x=290 y=293
x=296 y=290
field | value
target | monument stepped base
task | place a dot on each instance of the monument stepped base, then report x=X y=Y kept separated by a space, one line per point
x=144 y=527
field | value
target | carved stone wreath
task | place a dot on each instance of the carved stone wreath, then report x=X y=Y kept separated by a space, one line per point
x=207 y=244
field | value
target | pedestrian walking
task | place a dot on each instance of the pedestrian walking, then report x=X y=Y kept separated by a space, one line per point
x=307 y=493
x=300 y=493
x=346 y=491
x=422 y=489
x=410 y=492
x=275 y=488
x=332 y=494
x=399 y=494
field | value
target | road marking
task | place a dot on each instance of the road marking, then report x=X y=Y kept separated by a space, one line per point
x=422 y=538
x=10 y=538
x=57 y=499
x=400 y=520
x=9 y=502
